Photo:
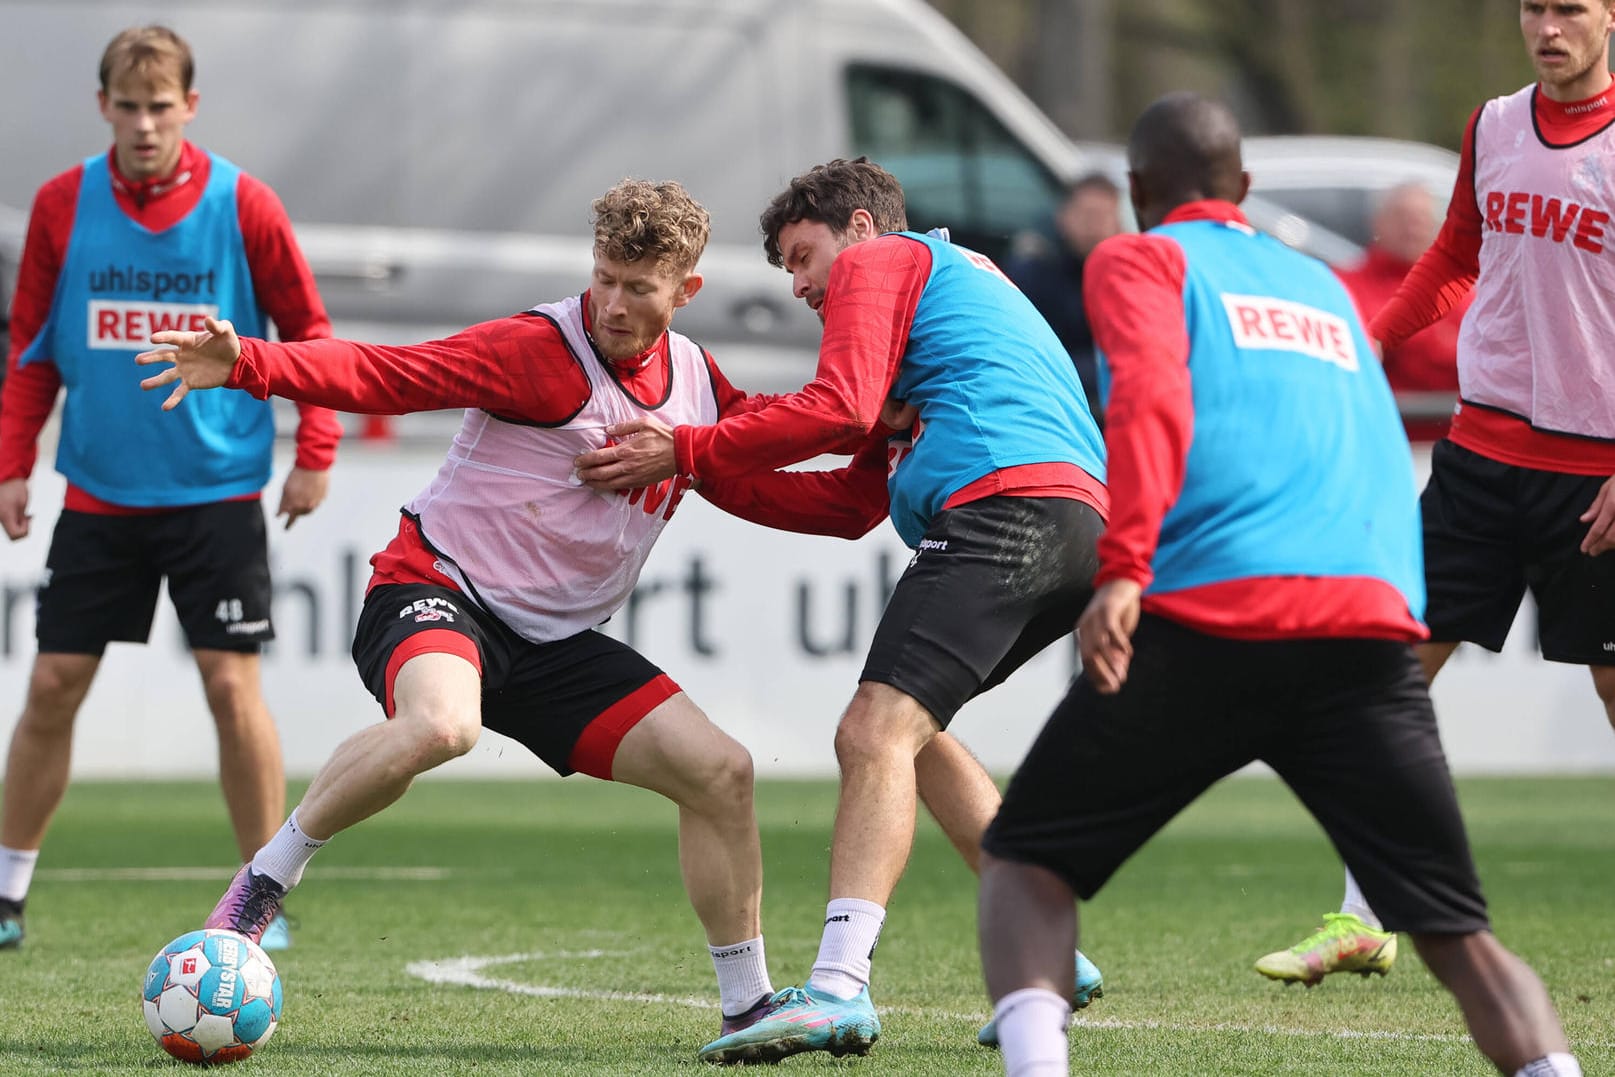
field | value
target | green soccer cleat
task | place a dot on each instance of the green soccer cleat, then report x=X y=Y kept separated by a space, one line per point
x=799 y=1019
x=1090 y=985
x=1343 y=944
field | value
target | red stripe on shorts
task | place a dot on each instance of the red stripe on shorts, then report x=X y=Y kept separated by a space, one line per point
x=432 y=641
x=597 y=747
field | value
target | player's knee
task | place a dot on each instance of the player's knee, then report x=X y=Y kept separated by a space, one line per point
x=232 y=695
x=726 y=776
x=55 y=691
x=1604 y=685
x=868 y=730
x=437 y=732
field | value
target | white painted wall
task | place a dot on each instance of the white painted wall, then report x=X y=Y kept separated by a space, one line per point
x=766 y=631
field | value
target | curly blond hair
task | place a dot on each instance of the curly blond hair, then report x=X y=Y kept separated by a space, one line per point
x=641 y=219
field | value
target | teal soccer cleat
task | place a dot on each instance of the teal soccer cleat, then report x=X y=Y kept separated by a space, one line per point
x=798 y=1020
x=278 y=935
x=1090 y=985
x=10 y=925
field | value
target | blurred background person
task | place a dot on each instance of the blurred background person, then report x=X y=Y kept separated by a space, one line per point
x=1050 y=271
x=1404 y=225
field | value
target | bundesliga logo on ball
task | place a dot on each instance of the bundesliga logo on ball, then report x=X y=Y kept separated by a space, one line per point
x=212 y=996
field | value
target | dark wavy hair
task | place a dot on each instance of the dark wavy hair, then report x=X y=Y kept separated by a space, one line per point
x=830 y=193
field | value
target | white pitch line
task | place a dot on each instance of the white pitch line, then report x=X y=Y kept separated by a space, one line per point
x=183 y=874
x=466 y=971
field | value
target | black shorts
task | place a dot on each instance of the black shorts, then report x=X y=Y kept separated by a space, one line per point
x=1346 y=723
x=1490 y=531
x=103 y=572
x=569 y=702
x=993 y=583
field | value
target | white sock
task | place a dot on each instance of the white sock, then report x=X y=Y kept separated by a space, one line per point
x=1031 y=1033
x=16 y=872
x=286 y=854
x=1355 y=903
x=851 y=930
x=742 y=971
x=1558 y=1064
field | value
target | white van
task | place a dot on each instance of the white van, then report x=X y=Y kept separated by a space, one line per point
x=438 y=158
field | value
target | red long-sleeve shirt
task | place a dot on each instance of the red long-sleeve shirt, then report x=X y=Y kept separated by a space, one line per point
x=281 y=280
x=1427 y=361
x=1133 y=292
x=1446 y=272
x=869 y=305
x=517 y=368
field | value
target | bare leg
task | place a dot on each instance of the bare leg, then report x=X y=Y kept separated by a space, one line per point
x=1604 y=683
x=437 y=716
x=1027 y=928
x=958 y=793
x=42 y=746
x=677 y=752
x=877 y=742
x=1506 y=1007
x=1432 y=656
x=250 y=769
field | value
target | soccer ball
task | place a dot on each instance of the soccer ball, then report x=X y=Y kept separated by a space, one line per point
x=211 y=996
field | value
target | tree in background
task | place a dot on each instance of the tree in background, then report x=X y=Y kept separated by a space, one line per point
x=1365 y=67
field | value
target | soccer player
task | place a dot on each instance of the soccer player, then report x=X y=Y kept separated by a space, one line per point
x=1520 y=492
x=482 y=611
x=154 y=232
x=997 y=486
x=1258 y=594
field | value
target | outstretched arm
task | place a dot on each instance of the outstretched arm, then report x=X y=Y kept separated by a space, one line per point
x=517 y=367
x=847 y=502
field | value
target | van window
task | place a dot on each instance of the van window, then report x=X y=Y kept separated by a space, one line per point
x=959 y=165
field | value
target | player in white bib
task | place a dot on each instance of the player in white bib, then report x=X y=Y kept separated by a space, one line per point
x=482 y=611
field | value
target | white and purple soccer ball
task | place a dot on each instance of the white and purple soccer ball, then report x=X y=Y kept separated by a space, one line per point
x=211 y=996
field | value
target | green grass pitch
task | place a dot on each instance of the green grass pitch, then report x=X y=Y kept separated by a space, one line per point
x=541 y=928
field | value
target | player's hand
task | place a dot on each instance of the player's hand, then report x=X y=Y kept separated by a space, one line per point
x=200 y=360
x=898 y=415
x=641 y=454
x=1601 y=516
x=1105 y=634
x=14 y=508
x=302 y=494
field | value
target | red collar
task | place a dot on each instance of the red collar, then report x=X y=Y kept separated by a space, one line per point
x=1563 y=123
x=1207 y=209
x=144 y=191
